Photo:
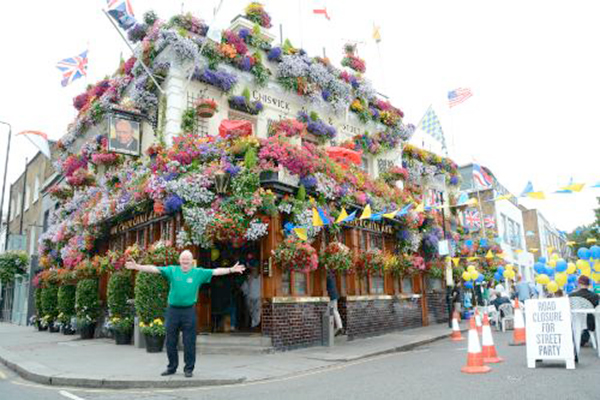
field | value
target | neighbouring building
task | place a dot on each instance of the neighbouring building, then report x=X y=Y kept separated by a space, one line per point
x=542 y=237
x=499 y=220
x=25 y=225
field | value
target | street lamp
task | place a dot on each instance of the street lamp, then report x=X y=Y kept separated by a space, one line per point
x=5 y=171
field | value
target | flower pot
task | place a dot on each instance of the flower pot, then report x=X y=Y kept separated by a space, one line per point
x=54 y=328
x=205 y=111
x=122 y=338
x=87 y=331
x=67 y=330
x=154 y=344
x=42 y=327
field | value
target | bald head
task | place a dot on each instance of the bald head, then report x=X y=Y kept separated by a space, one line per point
x=186 y=260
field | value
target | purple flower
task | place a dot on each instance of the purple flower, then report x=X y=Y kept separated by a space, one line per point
x=302 y=116
x=245 y=64
x=220 y=78
x=274 y=54
x=244 y=33
x=137 y=33
x=258 y=106
x=308 y=181
x=325 y=94
x=239 y=101
x=99 y=139
x=233 y=170
x=170 y=176
x=404 y=235
x=454 y=180
x=354 y=82
x=173 y=204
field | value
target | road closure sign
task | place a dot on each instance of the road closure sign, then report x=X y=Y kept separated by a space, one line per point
x=548 y=331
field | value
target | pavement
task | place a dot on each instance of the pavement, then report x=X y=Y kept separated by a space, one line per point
x=55 y=359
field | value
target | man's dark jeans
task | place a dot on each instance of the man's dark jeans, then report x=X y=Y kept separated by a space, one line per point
x=184 y=319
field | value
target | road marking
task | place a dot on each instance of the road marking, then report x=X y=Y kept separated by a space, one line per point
x=69 y=395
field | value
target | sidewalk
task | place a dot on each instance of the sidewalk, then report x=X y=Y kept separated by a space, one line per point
x=55 y=359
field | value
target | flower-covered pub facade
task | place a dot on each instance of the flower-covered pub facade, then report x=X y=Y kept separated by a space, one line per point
x=254 y=152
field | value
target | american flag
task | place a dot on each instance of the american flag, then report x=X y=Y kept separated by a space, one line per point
x=457 y=96
x=472 y=219
x=489 y=221
x=122 y=12
x=73 y=68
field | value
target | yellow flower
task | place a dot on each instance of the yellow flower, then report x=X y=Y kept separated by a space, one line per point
x=142 y=325
x=157 y=321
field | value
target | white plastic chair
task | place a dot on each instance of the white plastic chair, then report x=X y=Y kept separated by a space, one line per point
x=597 y=316
x=506 y=313
x=579 y=321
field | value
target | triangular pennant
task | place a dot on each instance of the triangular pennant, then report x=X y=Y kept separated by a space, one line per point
x=574 y=187
x=420 y=208
x=343 y=215
x=537 y=195
x=455 y=261
x=316 y=218
x=472 y=258
x=350 y=217
x=366 y=214
x=392 y=214
x=323 y=216
x=503 y=197
x=377 y=216
x=301 y=233
x=489 y=255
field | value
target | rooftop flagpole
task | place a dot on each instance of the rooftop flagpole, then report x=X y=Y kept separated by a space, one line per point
x=133 y=52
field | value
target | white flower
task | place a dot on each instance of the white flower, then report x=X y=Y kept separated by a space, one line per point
x=256 y=230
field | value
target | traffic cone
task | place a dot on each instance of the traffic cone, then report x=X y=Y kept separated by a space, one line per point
x=478 y=321
x=519 y=331
x=487 y=343
x=474 y=355
x=456 y=335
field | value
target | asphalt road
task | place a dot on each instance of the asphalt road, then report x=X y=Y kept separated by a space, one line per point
x=431 y=372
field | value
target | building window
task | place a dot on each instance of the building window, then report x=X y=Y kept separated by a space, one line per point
x=364 y=240
x=504 y=228
x=407 y=286
x=377 y=286
x=13 y=209
x=36 y=189
x=376 y=241
x=27 y=197
x=365 y=164
x=46 y=219
x=19 y=204
x=518 y=235
x=384 y=165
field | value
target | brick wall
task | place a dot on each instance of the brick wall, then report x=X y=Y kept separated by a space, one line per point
x=370 y=317
x=437 y=307
x=293 y=324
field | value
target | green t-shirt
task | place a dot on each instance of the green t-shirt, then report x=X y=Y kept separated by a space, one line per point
x=183 y=291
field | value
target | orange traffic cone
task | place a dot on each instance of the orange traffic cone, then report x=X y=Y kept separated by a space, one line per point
x=478 y=321
x=519 y=332
x=474 y=356
x=456 y=335
x=487 y=343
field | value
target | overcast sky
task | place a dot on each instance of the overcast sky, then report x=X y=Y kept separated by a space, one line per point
x=533 y=67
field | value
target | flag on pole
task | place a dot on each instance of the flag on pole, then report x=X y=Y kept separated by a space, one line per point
x=322 y=11
x=489 y=221
x=122 y=12
x=376 y=34
x=39 y=140
x=481 y=179
x=472 y=219
x=457 y=96
x=430 y=124
x=73 y=68
x=217 y=26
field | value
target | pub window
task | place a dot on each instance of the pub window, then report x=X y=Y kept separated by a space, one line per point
x=376 y=241
x=165 y=230
x=377 y=286
x=364 y=240
x=300 y=284
x=384 y=165
x=141 y=238
x=285 y=283
x=407 y=286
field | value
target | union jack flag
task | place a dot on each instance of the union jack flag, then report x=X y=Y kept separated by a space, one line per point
x=489 y=221
x=122 y=12
x=73 y=68
x=472 y=219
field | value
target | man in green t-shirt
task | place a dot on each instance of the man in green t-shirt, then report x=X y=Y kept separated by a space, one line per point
x=184 y=282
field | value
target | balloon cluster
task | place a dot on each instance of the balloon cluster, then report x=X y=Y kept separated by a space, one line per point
x=556 y=273
x=470 y=276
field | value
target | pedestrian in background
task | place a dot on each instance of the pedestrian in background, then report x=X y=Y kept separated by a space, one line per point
x=333 y=302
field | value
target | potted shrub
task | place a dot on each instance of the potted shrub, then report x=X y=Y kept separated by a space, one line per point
x=50 y=307
x=154 y=333
x=119 y=291
x=87 y=307
x=206 y=108
x=151 y=292
x=66 y=308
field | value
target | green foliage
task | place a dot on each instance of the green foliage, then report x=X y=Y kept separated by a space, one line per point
x=314 y=116
x=154 y=328
x=87 y=304
x=12 y=263
x=301 y=195
x=150 y=17
x=246 y=94
x=50 y=301
x=66 y=302
x=250 y=158
x=287 y=47
x=151 y=292
x=120 y=289
x=436 y=272
x=38 y=302
x=189 y=121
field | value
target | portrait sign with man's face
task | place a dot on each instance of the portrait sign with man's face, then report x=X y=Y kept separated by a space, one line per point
x=124 y=135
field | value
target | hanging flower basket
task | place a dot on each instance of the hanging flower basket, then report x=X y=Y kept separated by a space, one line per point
x=206 y=108
x=296 y=255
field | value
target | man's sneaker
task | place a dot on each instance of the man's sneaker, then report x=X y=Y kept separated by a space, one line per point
x=167 y=373
x=188 y=374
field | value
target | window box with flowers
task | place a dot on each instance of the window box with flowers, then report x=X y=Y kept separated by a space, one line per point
x=370 y=265
x=244 y=104
x=296 y=260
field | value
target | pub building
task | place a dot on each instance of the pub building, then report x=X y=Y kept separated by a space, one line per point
x=293 y=303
